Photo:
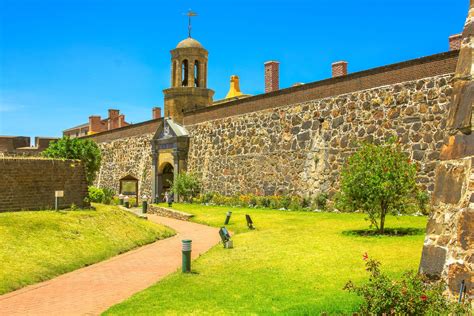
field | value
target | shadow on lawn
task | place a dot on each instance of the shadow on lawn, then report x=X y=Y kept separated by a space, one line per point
x=397 y=232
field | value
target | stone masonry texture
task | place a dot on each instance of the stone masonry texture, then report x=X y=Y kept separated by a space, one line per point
x=300 y=148
x=448 y=252
x=30 y=183
x=123 y=157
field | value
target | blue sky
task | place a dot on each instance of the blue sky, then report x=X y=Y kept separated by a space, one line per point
x=63 y=60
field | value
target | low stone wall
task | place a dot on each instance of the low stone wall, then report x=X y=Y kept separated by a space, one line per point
x=30 y=183
x=167 y=212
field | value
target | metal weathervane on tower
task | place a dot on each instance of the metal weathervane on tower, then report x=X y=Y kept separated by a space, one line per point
x=190 y=14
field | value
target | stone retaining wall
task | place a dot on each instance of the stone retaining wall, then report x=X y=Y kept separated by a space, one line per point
x=167 y=212
x=30 y=183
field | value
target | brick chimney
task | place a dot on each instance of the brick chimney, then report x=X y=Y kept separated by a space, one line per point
x=113 y=113
x=121 y=121
x=455 y=42
x=272 y=76
x=95 y=124
x=156 y=112
x=339 y=68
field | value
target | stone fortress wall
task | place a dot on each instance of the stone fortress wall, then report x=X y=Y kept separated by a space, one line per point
x=296 y=142
x=127 y=151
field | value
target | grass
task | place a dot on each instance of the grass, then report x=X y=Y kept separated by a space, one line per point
x=293 y=263
x=37 y=246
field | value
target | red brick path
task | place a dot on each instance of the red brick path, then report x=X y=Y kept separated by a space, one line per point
x=93 y=289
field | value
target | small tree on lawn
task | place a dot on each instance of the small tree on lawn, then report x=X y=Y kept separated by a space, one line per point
x=75 y=148
x=186 y=186
x=378 y=180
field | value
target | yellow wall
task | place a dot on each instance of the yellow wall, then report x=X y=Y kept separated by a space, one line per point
x=165 y=156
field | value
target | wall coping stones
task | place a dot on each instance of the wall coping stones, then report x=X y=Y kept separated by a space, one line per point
x=414 y=69
x=167 y=212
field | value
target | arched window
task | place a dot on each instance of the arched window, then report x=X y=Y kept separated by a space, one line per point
x=184 y=76
x=173 y=74
x=196 y=73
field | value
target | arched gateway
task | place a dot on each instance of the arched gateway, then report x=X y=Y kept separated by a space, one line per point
x=170 y=149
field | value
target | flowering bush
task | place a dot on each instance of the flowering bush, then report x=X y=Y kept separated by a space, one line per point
x=411 y=295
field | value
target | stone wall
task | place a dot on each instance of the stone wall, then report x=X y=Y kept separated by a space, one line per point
x=127 y=151
x=126 y=156
x=411 y=70
x=448 y=252
x=30 y=183
x=299 y=148
x=167 y=212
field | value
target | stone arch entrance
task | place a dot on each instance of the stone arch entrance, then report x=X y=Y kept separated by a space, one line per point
x=165 y=178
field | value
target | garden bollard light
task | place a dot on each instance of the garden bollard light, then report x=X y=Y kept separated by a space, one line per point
x=187 y=245
x=227 y=218
x=462 y=291
x=125 y=201
x=144 y=204
x=121 y=199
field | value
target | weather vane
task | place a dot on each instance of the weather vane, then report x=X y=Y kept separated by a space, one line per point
x=190 y=14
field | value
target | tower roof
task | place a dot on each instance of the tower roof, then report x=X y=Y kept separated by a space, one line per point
x=189 y=42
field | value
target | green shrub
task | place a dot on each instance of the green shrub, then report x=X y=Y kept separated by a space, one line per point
x=249 y=200
x=108 y=195
x=378 y=180
x=95 y=194
x=85 y=150
x=321 y=201
x=219 y=199
x=100 y=195
x=263 y=201
x=296 y=204
x=422 y=197
x=411 y=295
x=253 y=201
x=207 y=197
x=186 y=186
x=305 y=202
x=275 y=202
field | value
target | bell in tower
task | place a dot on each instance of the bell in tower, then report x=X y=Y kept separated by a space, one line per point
x=188 y=80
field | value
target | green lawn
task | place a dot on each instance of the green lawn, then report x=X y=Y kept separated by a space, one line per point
x=36 y=246
x=293 y=263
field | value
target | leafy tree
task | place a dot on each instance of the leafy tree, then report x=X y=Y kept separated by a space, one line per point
x=378 y=179
x=75 y=148
x=186 y=186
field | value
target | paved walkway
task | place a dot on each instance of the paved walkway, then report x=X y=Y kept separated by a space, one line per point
x=91 y=290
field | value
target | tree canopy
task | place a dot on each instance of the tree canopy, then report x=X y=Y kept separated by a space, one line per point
x=378 y=179
x=75 y=148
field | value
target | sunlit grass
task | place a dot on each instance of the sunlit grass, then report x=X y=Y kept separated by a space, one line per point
x=293 y=263
x=36 y=246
